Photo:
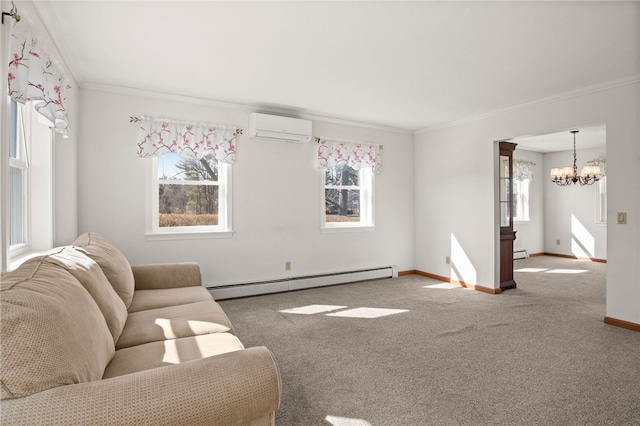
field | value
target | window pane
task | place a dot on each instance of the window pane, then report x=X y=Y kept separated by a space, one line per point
x=342 y=205
x=13 y=130
x=170 y=166
x=187 y=205
x=342 y=175
x=16 y=202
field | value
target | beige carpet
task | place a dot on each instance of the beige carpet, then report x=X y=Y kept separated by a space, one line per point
x=538 y=354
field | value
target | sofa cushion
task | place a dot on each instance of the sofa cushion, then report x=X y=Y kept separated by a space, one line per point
x=113 y=263
x=167 y=352
x=173 y=322
x=90 y=275
x=52 y=332
x=153 y=299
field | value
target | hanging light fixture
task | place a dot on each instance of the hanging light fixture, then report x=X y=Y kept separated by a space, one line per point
x=567 y=175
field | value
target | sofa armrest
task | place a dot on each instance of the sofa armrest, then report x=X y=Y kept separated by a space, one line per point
x=166 y=275
x=229 y=389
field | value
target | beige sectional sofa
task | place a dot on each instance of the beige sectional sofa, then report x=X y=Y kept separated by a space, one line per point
x=88 y=339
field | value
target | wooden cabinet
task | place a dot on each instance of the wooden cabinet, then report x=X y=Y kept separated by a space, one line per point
x=507 y=234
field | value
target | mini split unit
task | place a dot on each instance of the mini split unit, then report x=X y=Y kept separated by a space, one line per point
x=276 y=127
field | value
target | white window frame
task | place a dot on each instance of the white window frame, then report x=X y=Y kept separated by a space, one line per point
x=34 y=158
x=523 y=195
x=601 y=201
x=20 y=162
x=366 y=187
x=222 y=230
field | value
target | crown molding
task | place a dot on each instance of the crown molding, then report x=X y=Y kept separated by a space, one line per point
x=242 y=106
x=635 y=79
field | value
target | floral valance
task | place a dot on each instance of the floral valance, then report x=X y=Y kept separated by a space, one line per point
x=523 y=169
x=34 y=75
x=159 y=136
x=332 y=153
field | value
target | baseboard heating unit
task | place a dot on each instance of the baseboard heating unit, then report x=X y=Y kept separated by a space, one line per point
x=520 y=254
x=298 y=283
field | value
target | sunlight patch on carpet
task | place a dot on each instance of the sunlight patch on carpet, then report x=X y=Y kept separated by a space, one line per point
x=530 y=270
x=312 y=309
x=444 y=286
x=344 y=421
x=367 y=313
x=566 y=271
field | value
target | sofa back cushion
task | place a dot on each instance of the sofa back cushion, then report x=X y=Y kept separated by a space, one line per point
x=52 y=332
x=90 y=275
x=113 y=263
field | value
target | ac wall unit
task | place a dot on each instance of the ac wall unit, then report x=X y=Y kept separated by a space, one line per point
x=280 y=128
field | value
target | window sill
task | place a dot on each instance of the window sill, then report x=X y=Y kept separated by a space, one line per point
x=339 y=229
x=197 y=235
x=18 y=259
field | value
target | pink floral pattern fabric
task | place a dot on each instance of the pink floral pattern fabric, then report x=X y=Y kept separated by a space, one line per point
x=33 y=75
x=188 y=140
x=332 y=153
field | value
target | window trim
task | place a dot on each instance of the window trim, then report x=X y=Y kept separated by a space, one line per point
x=527 y=214
x=367 y=205
x=599 y=202
x=20 y=162
x=224 y=229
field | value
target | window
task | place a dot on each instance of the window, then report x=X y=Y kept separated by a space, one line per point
x=30 y=174
x=18 y=180
x=190 y=196
x=348 y=197
x=521 y=199
x=601 y=200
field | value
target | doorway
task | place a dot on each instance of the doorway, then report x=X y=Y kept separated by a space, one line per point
x=565 y=221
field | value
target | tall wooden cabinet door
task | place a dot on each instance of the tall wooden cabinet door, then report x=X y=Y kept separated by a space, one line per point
x=507 y=234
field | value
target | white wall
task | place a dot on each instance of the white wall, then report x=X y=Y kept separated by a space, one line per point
x=65 y=175
x=276 y=195
x=455 y=187
x=570 y=212
x=530 y=235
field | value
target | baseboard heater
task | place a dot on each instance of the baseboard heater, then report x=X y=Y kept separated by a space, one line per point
x=520 y=254
x=298 y=283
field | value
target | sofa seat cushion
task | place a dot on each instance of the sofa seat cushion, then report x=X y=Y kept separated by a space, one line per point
x=90 y=275
x=173 y=322
x=167 y=352
x=152 y=299
x=52 y=332
x=115 y=266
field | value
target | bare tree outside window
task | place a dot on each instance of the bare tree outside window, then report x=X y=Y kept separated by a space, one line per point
x=188 y=192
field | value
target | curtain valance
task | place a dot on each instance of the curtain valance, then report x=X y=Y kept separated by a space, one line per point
x=34 y=75
x=158 y=136
x=333 y=152
x=523 y=169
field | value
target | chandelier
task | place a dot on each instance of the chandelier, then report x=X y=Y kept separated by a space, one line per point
x=567 y=175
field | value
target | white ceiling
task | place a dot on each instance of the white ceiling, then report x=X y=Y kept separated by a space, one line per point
x=409 y=65
x=587 y=137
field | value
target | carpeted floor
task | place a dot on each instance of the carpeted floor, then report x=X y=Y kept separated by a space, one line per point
x=536 y=355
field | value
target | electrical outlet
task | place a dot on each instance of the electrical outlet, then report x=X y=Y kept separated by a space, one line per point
x=447 y=260
x=557 y=242
x=622 y=218
x=287 y=265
